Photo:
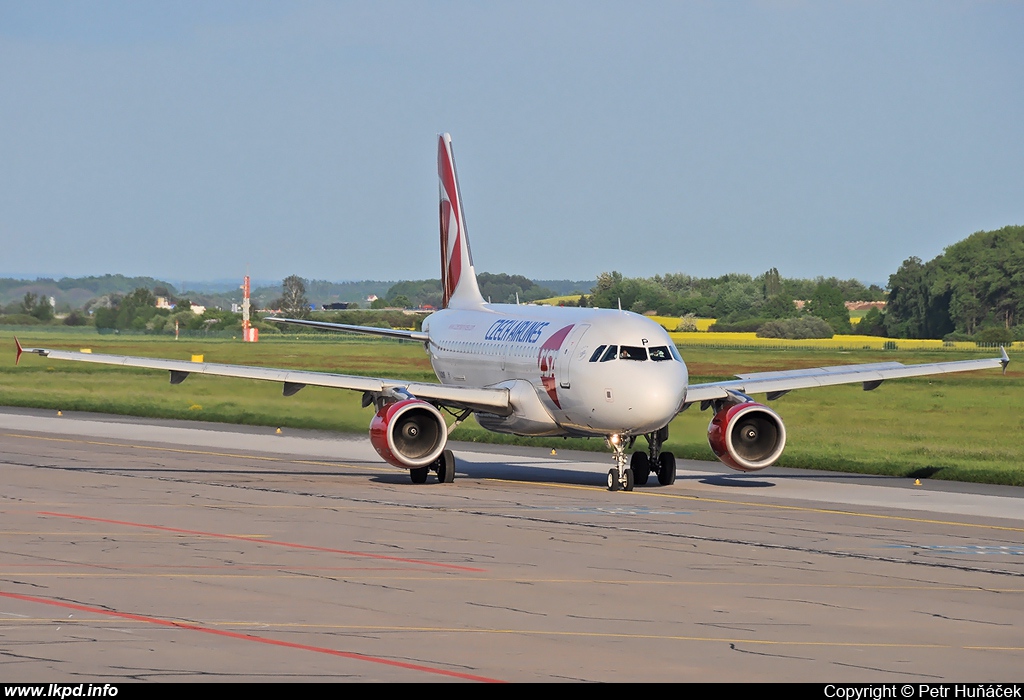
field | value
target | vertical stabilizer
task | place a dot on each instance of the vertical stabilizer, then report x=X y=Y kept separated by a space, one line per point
x=458 y=278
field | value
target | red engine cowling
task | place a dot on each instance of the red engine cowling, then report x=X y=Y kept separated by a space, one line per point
x=747 y=436
x=409 y=433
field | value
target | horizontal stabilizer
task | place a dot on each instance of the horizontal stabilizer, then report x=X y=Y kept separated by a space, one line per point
x=348 y=328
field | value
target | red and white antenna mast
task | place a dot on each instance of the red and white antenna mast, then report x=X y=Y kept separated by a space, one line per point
x=249 y=334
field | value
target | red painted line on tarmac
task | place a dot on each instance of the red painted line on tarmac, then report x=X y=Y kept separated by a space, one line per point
x=246 y=637
x=191 y=567
x=258 y=540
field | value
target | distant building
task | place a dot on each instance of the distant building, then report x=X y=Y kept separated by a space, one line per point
x=864 y=305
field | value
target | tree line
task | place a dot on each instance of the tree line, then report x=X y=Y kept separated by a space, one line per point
x=973 y=290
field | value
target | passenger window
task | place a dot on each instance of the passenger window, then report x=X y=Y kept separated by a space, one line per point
x=660 y=354
x=597 y=353
x=633 y=353
x=611 y=353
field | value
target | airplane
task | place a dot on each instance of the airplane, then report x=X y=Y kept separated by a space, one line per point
x=546 y=371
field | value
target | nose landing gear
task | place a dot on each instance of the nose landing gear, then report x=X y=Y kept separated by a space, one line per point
x=641 y=464
x=620 y=476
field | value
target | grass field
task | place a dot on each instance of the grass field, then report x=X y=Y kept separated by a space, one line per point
x=836 y=342
x=965 y=427
x=556 y=301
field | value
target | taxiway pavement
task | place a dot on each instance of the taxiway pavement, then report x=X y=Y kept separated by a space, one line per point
x=161 y=550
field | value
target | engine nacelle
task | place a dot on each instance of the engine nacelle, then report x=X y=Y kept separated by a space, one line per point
x=747 y=436
x=409 y=434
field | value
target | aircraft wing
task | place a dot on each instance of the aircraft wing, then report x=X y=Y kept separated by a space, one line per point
x=775 y=384
x=482 y=399
x=345 y=327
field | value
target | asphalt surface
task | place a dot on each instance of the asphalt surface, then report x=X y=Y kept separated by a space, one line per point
x=164 y=550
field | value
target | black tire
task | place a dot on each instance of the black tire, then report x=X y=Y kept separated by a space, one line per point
x=446 y=468
x=641 y=466
x=667 y=469
x=628 y=475
x=613 y=480
x=419 y=476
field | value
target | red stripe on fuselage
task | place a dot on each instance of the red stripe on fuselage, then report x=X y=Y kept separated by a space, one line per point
x=547 y=356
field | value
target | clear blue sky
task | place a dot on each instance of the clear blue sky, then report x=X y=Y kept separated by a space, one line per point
x=189 y=140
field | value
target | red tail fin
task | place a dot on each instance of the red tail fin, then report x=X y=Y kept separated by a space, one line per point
x=458 y=278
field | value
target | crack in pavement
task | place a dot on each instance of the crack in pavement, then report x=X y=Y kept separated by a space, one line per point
x=603 y=527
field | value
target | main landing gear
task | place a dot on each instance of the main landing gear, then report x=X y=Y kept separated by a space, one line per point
x=444 y=466
x=641 y=464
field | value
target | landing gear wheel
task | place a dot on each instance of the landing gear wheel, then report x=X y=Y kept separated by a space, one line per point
x=446 y=468
x=641 y=466
x=628 y=477
x=666 y=469
x=419 y=476
x=613 y=480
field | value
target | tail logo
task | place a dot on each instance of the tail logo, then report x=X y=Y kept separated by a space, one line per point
x=547 y=357
x=451 y=224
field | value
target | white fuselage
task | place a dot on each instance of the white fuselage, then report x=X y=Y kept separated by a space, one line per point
x=570 y=371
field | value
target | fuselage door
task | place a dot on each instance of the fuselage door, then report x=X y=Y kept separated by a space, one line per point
x=572 y=351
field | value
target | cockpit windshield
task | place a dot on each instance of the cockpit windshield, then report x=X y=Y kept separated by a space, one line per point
x=659 y=353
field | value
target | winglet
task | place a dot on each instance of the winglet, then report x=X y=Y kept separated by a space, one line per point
x=17 y=344
x=1005 y=359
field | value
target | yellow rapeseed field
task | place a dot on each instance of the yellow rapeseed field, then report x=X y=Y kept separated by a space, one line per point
x=670 y=323
x=555 y=301
x=837 y=342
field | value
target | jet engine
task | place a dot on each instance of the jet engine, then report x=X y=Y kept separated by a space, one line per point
x=747 y=436
x=408 y=434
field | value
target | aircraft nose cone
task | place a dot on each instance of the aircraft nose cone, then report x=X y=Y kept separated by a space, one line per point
x=647 y=402
x=666 y=397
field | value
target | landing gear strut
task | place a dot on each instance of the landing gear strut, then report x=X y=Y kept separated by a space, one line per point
x=620 y=476
x=444 y=466
x=641 y=466
x=654 y=460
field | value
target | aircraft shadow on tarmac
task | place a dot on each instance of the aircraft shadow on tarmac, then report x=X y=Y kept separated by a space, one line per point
x=511 y=470
x=733 y=481
x=529 y=471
